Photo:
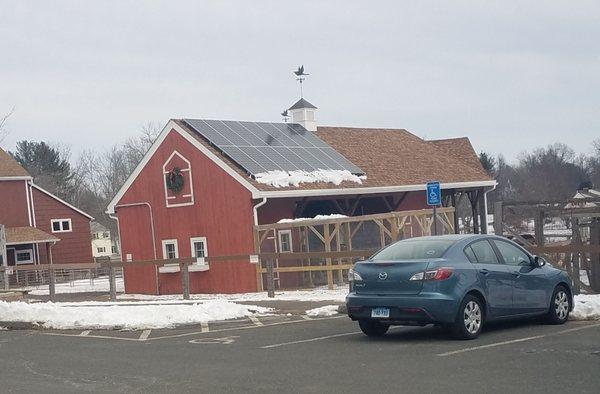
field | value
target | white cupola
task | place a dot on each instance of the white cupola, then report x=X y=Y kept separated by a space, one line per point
x=303 y=113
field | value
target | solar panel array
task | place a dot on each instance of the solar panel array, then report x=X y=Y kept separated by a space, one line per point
x=261 y=147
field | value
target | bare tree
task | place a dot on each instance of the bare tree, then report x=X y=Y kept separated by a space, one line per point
x=3 y=119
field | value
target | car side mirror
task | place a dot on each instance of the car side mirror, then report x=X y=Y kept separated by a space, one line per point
x=538 y=262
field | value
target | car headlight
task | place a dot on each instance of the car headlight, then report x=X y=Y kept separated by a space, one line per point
x=353 y=276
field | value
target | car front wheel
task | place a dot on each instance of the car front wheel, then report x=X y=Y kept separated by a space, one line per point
x=373 y=328
x=559 y=307
x=469 y=321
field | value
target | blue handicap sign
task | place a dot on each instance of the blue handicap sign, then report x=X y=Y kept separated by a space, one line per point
x=434 y=193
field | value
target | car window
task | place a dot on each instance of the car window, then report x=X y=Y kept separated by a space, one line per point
x=414 y=250
x=484 y=252
x=470 y=254
x=511 y=254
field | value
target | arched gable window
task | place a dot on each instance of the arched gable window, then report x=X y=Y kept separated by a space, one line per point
x=177 y=179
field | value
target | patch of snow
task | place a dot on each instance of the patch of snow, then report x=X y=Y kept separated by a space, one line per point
x=338 y=294
x=3 y=328
x=100 y=285
x=327 y=310
x=57 y=316
x=279 y=178
x=318 y=217
x=586 y=307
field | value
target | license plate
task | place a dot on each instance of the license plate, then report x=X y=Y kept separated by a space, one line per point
x=380 y=312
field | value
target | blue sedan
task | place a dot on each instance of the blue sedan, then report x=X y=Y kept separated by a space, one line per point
x=458 y=281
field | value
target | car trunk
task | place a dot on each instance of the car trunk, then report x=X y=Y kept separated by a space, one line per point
x=389 y=277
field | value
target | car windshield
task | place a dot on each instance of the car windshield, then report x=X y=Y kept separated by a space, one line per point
x=414 y=250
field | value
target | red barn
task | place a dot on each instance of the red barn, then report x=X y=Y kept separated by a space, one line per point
x=204 y=184
x=40 y=227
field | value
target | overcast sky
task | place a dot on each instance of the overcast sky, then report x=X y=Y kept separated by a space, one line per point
x=510 y=76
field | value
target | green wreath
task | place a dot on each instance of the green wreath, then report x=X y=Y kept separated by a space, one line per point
x=175 y=180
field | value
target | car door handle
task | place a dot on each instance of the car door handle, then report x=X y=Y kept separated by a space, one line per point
x=484 y=271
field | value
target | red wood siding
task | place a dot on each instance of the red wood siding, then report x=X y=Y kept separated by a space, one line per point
x=13 y=209
x=74 y=246
x=222 y=212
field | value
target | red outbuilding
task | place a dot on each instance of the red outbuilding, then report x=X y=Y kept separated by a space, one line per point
x=40 y=228
x=204 y=184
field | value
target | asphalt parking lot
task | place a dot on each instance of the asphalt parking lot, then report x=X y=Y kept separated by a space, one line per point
x=296 y=354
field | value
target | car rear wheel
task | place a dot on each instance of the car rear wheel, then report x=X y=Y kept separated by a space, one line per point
x=373 y=328
x=469 y=321
x=559 y=307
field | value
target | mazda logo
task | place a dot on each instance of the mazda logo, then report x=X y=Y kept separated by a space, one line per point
x=382 y=275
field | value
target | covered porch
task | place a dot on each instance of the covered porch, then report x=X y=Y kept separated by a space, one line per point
x=28 y=245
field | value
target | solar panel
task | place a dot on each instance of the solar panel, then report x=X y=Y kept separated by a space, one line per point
x=261 y=147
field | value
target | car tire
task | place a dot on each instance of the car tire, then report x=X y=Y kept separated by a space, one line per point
x=469 y=320
x=560 y=306
x=373 y=328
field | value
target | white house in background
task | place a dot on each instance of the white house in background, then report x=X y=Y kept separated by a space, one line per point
x=102 y=245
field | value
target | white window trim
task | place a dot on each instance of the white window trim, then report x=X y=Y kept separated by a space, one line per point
x=198 y=239
x=60 y=221
x=164 y=247
x=30 y=261
x=188 y=172
x=279 y=233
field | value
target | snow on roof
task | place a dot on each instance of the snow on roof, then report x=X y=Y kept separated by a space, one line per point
x=294 y=178
x=318 y=217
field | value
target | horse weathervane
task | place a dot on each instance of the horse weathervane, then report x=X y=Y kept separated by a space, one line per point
x=285 y=115
x=300 y=74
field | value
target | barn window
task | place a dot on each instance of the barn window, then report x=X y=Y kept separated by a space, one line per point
x=285 y=241
x=61 y=225
x=101 y=250
x=170 y=249
x=24 y=256
x=198 y=245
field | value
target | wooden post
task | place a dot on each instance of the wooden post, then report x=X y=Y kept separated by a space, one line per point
x=594 y=268
x=455 y=216
x=52 y=284
x=112 y=283
x=326 y=235
x=185 y=281
x=270 y=279
x=539 y=228
x=435 y=226
x=257 y=244
x=498 y=218
x=575 y=256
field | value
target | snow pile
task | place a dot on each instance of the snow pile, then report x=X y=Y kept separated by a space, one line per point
x=132 y=317
x=327 y=310
x=586 y=307
x=3 y=328
x=338 y=294
x=318 y=217
x=81 y=286
x=279 y=178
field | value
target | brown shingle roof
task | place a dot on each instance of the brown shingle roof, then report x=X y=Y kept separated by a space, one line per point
x=9 y=166
x=389 y=157
x=21 y=235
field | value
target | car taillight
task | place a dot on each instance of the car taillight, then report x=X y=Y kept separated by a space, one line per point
x=436 y=274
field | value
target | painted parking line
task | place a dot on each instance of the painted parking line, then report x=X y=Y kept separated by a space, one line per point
x=145 y=334
x=255 y=320
x=186 y=334
x=310 y=340
x=491 y=345
x=320 y=338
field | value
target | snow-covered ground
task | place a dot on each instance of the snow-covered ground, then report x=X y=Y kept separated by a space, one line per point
x=80 y=286
x=133 y=317
x=338 y=294
x=318 y=217
x=587 y=307
x=294 y=178
x=327 y=310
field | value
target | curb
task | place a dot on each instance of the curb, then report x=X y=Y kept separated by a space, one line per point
x=20 y=325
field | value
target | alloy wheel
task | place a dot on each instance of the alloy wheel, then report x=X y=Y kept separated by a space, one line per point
x=561 y=305
x=472 y=317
